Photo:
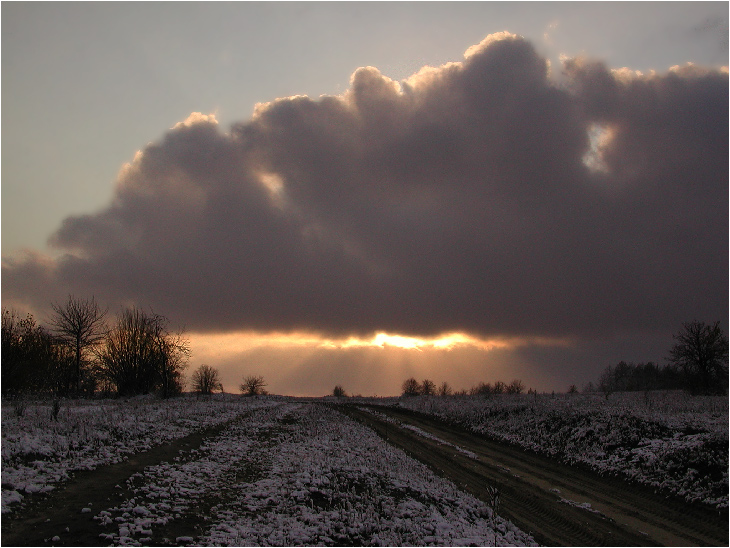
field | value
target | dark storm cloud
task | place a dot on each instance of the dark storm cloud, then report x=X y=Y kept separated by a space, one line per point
x=455 y=200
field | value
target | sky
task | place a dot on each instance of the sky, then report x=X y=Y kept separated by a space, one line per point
x=356 y=193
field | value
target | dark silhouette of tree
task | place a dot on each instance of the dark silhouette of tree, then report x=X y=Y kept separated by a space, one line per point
x=205 y=380
x=141 y=356
x=515 y=387
x=428 y=388
x=606 y=383
x=445 y=389
x=671 y=377
x=499 y=387
x=15 y=335
x=253 y=385
x=339 y=392
x=32 y=359
x=572 y=389
x=702 y=352
x=410 y=387
x=643 y=377
x=481 y=389
x=646 y=377
x=173 y=350
x=79 y=324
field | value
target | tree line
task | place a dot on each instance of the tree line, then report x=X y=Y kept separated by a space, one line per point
x=80 y=354
x=631 y=377
x=205 y=380
x=698 y=363
x=411 y=387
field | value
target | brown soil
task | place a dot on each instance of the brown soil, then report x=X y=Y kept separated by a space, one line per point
x=531 y=487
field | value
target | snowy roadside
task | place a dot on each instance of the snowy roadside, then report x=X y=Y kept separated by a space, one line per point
x=419 y=432
x=303 y=474
x=38 y=452
x=672 y=442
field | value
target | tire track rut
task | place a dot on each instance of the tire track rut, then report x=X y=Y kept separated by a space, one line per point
x=58 y=513
x=540 y=494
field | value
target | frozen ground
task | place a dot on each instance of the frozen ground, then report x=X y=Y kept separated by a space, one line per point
x=279 y=473
x=668 y=440
x=38 y=452
x=293 y=473
x=302 y=474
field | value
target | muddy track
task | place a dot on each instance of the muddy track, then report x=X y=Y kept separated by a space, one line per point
x=58 y=513
x=535 y=491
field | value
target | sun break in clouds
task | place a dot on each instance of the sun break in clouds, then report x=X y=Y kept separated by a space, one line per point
x=479 y=197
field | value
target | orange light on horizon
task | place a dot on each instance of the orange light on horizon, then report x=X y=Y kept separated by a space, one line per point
x=242 y=341
x=443 y=342
x=302 y=363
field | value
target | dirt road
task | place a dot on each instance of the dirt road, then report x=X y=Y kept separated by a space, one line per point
x=58 y=512
x=544 y=497
x=537 y=494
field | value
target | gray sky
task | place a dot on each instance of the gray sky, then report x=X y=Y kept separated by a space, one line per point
x=85 y=85
x=557 y=210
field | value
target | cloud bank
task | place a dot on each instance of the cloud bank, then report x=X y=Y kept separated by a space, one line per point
x=481 y=196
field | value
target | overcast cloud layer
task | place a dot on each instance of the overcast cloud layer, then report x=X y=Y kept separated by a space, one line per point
x=458 y=200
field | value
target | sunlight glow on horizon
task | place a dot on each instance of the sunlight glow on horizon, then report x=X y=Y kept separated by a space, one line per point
x=445 y=342
x=309 y=364
x=242 y=341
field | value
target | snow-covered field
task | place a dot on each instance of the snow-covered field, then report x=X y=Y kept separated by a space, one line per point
x=300 y=473
x=304 y=474
x=286 y=473
x=668 y=440
x=38 y=452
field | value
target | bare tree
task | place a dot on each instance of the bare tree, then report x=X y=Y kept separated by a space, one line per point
x=428 y=388
x=411 y=387
x=499 y=388
x=481 y=389
x=515 y=387
x=253 y=386
x=572 y=389
x=173 y=351
x=206 y=379
x=141 y=356
x=606 y=382
x=339 y=392
x=702 y=352
x=79 y=324
x=444 y=389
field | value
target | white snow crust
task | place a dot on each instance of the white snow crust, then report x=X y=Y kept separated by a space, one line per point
x=305 y=475
x=671 y=441
x=38 y=452
x=285 y=473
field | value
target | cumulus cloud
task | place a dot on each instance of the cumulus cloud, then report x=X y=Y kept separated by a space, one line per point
x=456 y=200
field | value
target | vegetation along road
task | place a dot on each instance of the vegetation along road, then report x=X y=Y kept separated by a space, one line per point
x=559 y=505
